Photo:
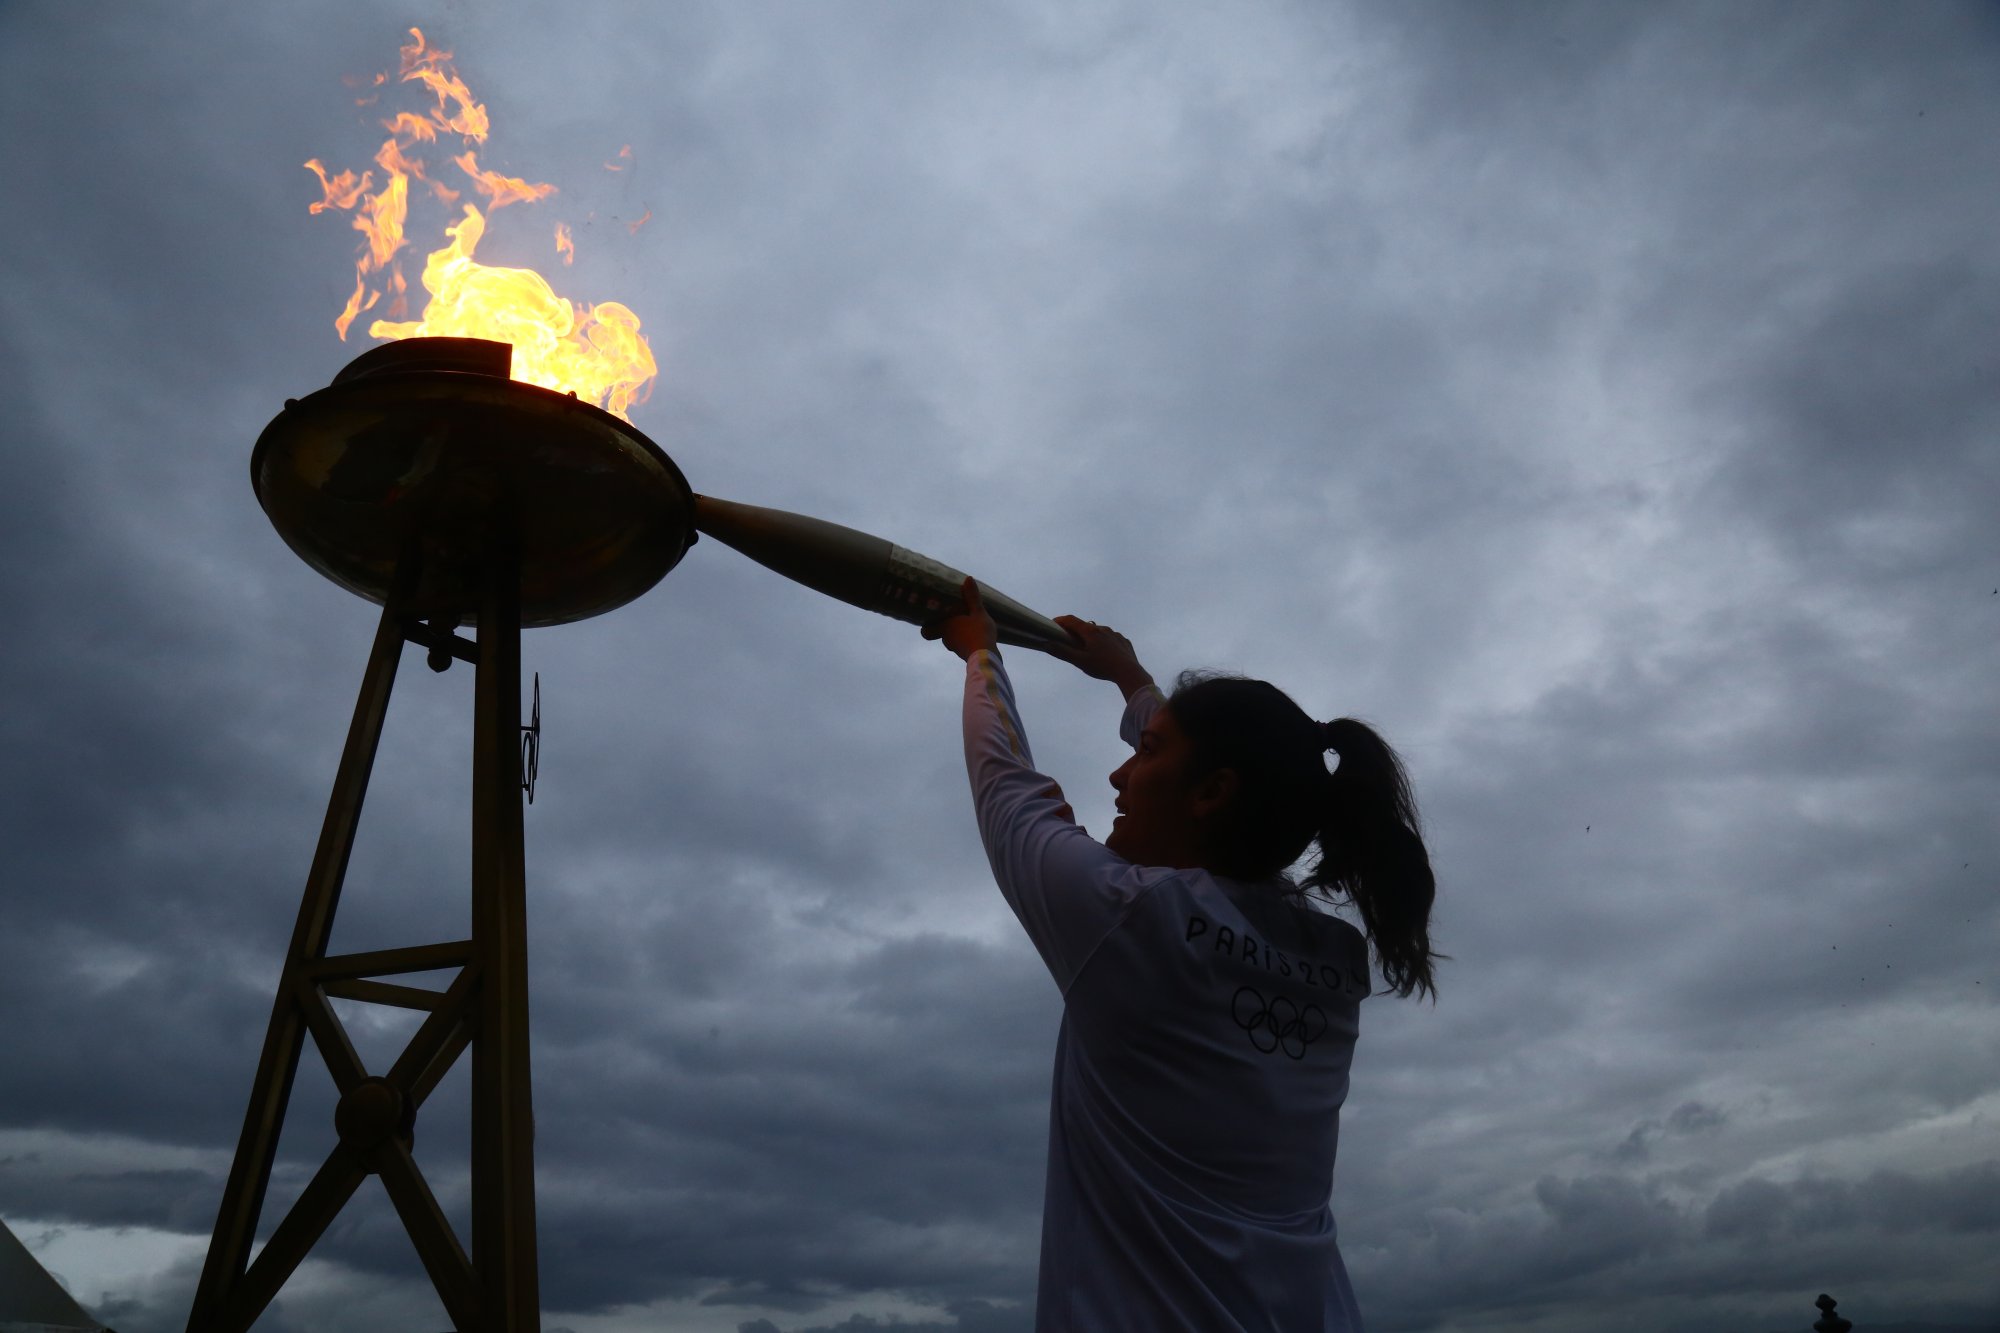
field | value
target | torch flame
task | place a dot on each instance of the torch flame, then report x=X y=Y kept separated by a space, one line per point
x=412 y=124
x=432 y=68
x=502 y=190
x=342 y=191
x=596 y=352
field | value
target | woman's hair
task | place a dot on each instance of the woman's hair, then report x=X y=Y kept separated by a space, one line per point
x=1362 y=815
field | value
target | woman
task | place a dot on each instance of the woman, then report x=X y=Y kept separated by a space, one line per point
x=1209 y=1013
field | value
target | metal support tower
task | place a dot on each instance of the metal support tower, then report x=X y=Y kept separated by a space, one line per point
x=491 y=1288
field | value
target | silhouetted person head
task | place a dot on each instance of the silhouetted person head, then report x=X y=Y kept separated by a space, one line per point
x=1231 y=777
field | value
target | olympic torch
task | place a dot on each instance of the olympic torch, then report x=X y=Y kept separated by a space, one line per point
x=865 y=570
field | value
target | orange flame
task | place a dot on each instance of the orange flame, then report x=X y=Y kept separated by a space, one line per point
x=502 y=190
x=432 y=68
x=596 y=352
x=412 y=124
x=342 y=191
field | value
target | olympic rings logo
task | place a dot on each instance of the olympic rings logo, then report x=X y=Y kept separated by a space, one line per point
x=1278 y=1024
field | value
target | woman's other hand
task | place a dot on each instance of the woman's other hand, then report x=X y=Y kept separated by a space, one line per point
x=1103 y=653
x=970 y=629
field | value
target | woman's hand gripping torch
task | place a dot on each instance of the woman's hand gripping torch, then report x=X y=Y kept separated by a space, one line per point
x=870 y=572
x=969 y=628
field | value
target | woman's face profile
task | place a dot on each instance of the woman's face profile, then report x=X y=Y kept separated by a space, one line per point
x=1156 y=820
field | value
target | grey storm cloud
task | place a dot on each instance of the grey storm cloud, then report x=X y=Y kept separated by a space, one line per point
x=1598 y=398
x=1687 y=1118
x=1603 y=1235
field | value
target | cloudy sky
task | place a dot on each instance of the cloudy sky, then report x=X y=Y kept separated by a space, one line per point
x=1602 y=399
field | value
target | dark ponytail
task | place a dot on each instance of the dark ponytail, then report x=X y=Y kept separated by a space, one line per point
x=1362 y=815
x=1371 y=851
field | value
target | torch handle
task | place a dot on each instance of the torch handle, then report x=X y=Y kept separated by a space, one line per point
x=865 y=570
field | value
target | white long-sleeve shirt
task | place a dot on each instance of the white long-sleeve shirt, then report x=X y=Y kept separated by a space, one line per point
x=1208 y=1027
